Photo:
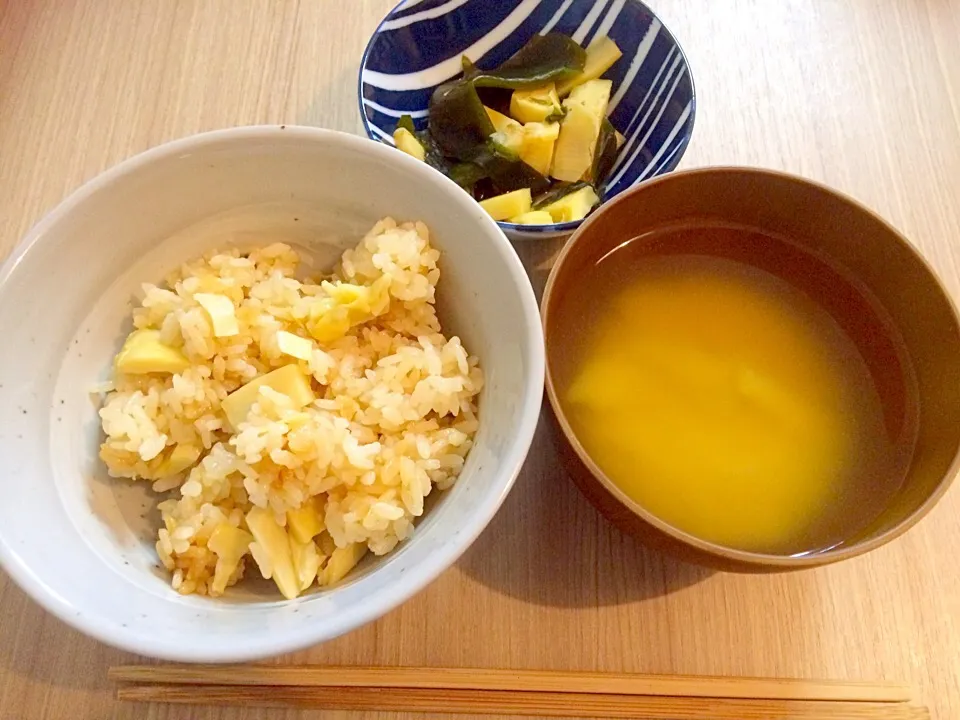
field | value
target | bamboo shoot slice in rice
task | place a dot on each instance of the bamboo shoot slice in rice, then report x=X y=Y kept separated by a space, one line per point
x=143 y=352
x=289 y=380
x=306 y=522
x=345 y=306
x=341 y=562
x=221 y=312
x=180 y=458
x=295 y=346
x=275 y=543
x=306 y=561
x=230 y=544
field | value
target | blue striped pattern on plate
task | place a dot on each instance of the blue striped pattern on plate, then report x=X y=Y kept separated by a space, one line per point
x=419 y=45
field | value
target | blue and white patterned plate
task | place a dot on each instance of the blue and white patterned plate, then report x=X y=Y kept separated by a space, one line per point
x=419 y=44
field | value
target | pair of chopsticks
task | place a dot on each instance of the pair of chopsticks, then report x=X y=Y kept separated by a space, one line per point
x=515 y=692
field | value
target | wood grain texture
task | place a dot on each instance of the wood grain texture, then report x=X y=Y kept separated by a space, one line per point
x=861 y=94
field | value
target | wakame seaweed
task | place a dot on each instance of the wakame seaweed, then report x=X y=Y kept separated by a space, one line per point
x=546 y=58
x=458 y=121
x=606 y=153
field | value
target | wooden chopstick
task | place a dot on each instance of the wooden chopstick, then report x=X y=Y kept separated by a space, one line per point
x=516 y=702
x=469 y=679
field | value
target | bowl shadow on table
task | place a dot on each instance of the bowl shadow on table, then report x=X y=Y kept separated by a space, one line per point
x=538 y=257
x=548 y=546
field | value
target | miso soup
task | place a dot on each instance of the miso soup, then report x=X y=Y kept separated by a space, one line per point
x=737 y=387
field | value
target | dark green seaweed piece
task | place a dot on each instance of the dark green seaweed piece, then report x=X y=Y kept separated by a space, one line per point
x=605 y=154
x=433 y=153
x=546 y=58
x=406 y=122
x=467 y=175
x=508 y=176
x=484 y=189
x=464 y=174
x=457 y=120
x=496 y=98
x=559 y=190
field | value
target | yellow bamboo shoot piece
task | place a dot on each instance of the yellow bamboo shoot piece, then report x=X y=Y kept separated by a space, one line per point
x=306 y=522
x=230 y=544
x=535 y=105
x=509 y=204
x=342 y=561
x=306 y=562
x=295 y=346
x=274 y=541
x=143 y=353
x=574 y=206
x=289 y=380
x=500 y=121
x=539 y=141
x=408 y=143
x=534 y=217
x=586 y=108
x=180 y=458
x=508 y=132
x=221 y=311
x=602 y=53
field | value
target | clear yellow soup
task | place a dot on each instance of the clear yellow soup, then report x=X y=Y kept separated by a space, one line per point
x=761 y=405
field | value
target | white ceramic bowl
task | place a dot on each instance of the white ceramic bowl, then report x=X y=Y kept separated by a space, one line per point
x=81 y=544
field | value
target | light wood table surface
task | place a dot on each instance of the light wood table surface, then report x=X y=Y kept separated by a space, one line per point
x=861 y=94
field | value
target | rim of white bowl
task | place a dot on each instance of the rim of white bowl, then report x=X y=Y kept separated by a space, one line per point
x=420 y=575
